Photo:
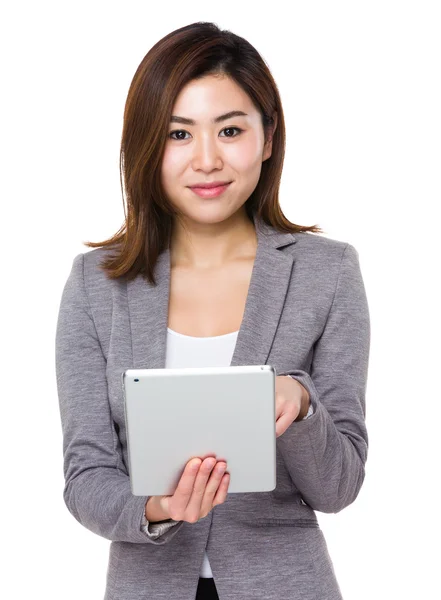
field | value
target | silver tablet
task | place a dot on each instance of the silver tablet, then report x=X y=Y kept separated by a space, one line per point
x=175 y=414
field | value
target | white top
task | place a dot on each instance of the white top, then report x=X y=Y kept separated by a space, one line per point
x=185 y=351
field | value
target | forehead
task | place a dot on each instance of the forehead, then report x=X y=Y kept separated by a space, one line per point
x=211 y=96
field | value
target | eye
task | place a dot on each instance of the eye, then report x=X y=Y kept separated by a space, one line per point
x=230 y=129
x=176 y=131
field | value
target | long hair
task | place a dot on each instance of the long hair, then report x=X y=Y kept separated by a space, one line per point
x=186 y=54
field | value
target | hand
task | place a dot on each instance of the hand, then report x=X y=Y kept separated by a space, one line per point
x=292 y=402
x=200 y=488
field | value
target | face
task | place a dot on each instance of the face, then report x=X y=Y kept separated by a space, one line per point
x=231 y=150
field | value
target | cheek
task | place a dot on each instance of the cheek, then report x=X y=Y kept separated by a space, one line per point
x=171 y=161
x=245 y=157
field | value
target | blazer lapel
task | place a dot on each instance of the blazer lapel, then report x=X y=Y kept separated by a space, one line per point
x=148 y=305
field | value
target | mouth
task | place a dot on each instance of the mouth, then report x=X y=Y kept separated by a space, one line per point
x=212 y=191
x=209 y=185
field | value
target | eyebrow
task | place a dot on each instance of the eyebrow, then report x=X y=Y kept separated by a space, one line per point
x=228 y=115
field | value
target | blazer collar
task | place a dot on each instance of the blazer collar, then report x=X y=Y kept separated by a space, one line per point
x=148 y=304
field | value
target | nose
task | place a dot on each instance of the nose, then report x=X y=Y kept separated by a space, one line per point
x=207 y=154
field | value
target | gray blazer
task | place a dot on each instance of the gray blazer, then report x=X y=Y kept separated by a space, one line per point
x=306 y=314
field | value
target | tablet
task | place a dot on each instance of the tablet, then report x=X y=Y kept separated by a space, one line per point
x=175 y=414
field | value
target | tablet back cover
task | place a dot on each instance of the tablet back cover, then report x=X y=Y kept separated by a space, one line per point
x=175 y=414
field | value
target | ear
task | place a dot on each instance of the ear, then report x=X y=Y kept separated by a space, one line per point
x=268 y=147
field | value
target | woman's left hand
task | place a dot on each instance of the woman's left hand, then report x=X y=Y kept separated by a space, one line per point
x=292 y=402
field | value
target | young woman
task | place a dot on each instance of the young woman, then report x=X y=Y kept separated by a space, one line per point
x=207 y=271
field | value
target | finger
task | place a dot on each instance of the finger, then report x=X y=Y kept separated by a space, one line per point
x=283 y=423
x=194 y=506
x=184 y=489
x=222 y=490
x=212 y=486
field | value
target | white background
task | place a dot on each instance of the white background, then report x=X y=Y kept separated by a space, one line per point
x=360 y=86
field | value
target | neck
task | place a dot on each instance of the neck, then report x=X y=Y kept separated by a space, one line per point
x=212 y=245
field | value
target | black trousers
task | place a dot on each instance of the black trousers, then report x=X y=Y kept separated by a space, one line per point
x=206 y=589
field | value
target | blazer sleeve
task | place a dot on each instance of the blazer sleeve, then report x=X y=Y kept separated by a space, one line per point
x=326 y=453
x=97 y=486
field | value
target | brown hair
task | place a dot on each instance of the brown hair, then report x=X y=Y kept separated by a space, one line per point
x=186 y=54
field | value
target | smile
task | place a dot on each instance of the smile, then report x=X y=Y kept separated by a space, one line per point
x=210 y=192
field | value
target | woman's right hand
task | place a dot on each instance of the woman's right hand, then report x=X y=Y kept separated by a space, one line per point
x=200 y=488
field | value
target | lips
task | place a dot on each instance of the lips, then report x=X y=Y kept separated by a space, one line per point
x=210 y=192
x=208 y=186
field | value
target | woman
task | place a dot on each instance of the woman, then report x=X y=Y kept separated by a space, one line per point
x=213 y=277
